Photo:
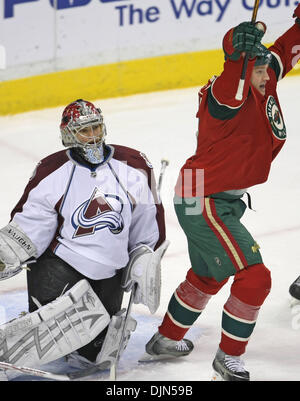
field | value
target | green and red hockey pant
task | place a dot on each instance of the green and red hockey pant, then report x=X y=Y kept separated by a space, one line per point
x=219 y=228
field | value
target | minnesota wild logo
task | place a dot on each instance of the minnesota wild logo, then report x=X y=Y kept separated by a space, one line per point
x=275 y=118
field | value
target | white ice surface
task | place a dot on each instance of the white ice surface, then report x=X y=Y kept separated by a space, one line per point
x=163 y=124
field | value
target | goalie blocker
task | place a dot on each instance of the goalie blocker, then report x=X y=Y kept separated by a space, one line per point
x=144 y=268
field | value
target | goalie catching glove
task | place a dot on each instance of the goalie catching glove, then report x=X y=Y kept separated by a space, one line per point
x=144 y=269
x=15 y=249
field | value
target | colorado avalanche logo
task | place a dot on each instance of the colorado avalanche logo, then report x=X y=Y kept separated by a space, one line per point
x=99 y=212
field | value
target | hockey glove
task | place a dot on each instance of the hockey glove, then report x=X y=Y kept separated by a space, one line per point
x=246 y=37
x=297 y=14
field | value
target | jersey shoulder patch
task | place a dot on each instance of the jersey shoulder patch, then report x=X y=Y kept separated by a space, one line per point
x=275 y=118
x=134 y=158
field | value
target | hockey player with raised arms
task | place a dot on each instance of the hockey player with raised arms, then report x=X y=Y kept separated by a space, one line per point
x=87 y=212
x=237 y=142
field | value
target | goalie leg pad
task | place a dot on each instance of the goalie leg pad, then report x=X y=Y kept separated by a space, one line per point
x=114 y=343
x=54 y=330
x=145 y=270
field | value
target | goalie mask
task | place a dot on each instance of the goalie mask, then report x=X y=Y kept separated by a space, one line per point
x=82 y=127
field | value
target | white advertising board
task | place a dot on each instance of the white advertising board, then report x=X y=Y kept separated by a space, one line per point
x=41 y=36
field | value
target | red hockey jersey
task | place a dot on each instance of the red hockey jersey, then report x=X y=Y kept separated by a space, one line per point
x=238 y=140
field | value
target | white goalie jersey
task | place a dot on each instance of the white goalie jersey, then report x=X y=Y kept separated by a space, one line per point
x=92 y=218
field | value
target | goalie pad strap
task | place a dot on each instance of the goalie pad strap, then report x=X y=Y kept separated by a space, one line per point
x=54 y=330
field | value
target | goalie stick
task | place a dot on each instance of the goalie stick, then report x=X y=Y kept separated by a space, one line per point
x=164 y=164
x=113 y=367
x=49 y=375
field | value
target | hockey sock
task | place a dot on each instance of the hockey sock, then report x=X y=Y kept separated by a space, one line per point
x=187 y=303
x=248 y=292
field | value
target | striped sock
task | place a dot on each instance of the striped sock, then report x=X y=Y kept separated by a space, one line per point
x=238 y=322
x=185 y=306
x=248 y=292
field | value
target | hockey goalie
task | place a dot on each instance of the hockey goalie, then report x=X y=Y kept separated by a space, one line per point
x=88 y=226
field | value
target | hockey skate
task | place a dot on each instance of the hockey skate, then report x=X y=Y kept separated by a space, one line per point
x=294 y=291
x=229 y=368
x=77 y=361
x=160 y=347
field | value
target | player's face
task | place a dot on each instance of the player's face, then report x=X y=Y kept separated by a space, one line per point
x=91 y=134
x=260 y=77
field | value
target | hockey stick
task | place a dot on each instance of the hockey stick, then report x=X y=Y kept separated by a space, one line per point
x=32 y=371
x=164 y=164
x=240 y=90
x=114 y=366
x=49 y=375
